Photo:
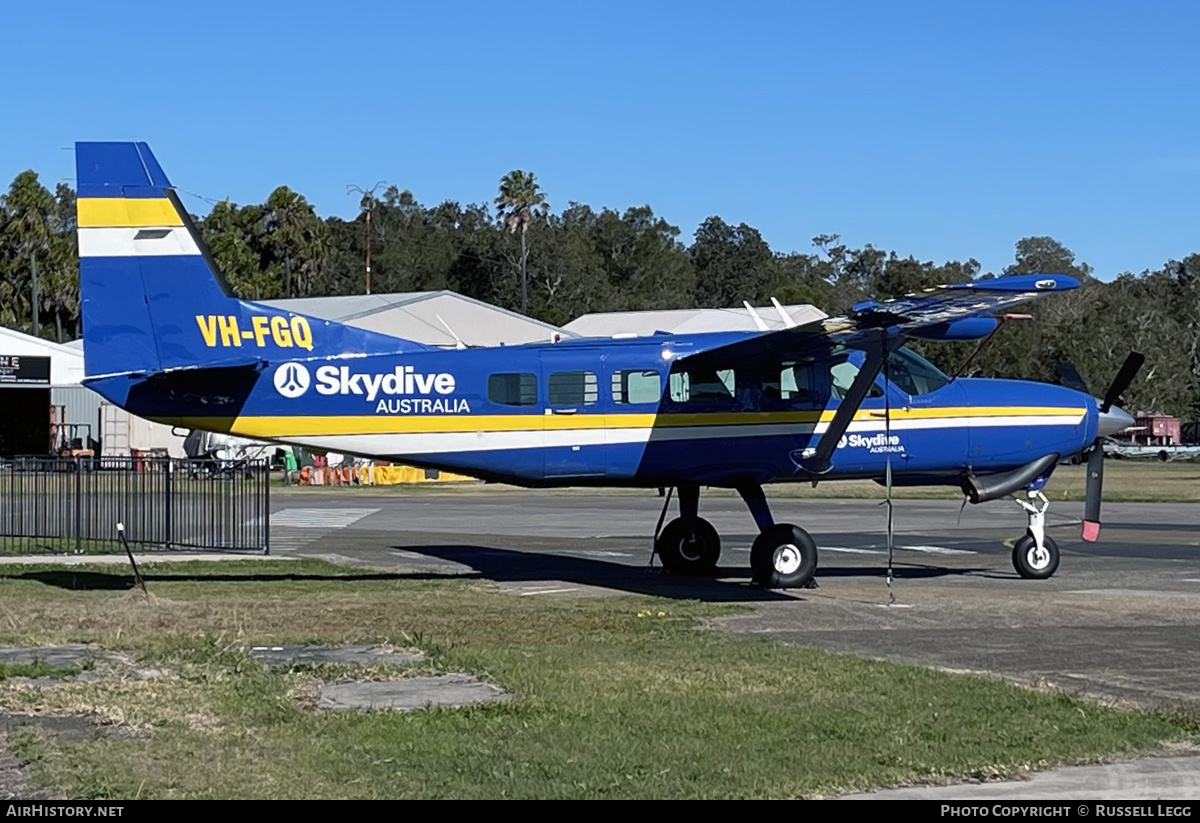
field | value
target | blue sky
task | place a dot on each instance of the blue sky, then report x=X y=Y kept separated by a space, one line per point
x=941 y=130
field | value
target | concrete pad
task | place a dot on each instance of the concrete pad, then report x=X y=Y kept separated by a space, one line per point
x=450 y=690
x=1152 y=778
x=346 y=655
x=60 y=657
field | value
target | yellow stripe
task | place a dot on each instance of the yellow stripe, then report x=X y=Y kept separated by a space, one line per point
x=122 y=212
x=301 y=425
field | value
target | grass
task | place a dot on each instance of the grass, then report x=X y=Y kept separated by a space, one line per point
x=1125 y=481
x=35 y=669
x=613 y=697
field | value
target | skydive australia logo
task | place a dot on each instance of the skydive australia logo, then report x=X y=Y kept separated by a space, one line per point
x=291 y=380
x=402 y=391
x=874 y=443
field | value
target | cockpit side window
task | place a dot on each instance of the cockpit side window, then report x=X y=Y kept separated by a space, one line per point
x=842 y=372
x=913 y=374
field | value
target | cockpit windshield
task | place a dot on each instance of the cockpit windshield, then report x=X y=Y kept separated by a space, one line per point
x=913 y=374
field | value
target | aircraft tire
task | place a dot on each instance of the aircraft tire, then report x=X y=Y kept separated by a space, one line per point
x=687 y=551
x=1028 y=565
x=783 y=557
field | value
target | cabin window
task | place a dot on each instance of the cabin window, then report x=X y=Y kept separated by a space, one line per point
x=913 y=374
x=573 y=388
x=517 y=389
x=636 y=386
x=795 y=381
x=702 y=386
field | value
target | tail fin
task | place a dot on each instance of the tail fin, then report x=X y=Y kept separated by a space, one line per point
x=152 y=297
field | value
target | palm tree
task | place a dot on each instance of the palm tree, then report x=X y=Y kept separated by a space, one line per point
x=25 y=214
x=296 y=236
x=520 y=203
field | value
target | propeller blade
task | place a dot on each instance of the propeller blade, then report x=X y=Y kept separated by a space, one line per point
x=1070 y=378
x=1095 y=485
x=1120 y=383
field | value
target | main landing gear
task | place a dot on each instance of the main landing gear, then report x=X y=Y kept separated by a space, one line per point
x=1035 y=555
x=783 y=556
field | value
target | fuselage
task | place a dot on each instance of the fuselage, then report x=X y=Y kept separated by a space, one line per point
x=628 y=412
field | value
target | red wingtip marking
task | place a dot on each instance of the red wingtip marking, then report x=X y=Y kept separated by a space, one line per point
x=1091 y=531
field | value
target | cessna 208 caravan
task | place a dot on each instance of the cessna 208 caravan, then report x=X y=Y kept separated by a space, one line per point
x=836 y=398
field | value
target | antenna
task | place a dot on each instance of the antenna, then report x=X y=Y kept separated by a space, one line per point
x=758 y=321
x=458 y=344
x=783 y=315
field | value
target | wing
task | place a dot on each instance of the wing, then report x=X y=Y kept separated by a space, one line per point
x=959 y=311
x=943 y=313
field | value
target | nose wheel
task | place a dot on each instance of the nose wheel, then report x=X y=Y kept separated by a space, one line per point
x=1035 y=562
x=1035 y=556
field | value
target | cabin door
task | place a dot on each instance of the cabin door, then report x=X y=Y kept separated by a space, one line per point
x=574 y=412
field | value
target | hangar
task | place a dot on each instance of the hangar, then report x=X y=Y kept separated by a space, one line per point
x=686 y=321
x=436 y=318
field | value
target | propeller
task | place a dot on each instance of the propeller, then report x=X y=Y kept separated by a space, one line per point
x=1112 y=419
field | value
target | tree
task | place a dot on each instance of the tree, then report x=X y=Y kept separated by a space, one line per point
x=519 y=203
x=295 y=238
x=646 y=266
x=732 y=264
x=232 y=235
x=28 y=213
x=1045 y=255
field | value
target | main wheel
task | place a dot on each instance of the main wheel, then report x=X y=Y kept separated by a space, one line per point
x=688 y=550
x=1032 y=564
x=783 y=557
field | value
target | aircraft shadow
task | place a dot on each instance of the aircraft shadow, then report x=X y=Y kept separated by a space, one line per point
x=509 y=565
x=512 y=566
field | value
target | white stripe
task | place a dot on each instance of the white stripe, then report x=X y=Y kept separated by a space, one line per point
x=318 y=518
x=148 y=241
x=418 y=443
x=935 y=550
x=847 y=550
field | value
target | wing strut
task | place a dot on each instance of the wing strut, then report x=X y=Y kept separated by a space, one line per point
x=877 y=347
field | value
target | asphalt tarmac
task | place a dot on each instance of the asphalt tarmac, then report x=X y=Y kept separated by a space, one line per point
x=1118 y=622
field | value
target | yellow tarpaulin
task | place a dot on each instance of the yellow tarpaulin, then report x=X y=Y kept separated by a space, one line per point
x=372 y=476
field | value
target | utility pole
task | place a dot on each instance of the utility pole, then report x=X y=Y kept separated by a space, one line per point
x=367 y=205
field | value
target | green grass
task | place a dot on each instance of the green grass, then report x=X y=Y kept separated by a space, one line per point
x=611 y=699
x=35 y=669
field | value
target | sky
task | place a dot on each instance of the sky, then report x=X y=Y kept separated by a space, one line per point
x=939 y=130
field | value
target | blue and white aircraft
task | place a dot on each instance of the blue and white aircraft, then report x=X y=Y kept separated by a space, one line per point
x=841 y=397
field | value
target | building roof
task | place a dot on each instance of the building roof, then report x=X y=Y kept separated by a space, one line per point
x=424 y=317
x=686 y=321
x=66 y=362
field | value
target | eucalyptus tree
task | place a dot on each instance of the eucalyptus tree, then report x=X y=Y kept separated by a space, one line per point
x=519 y=203
x=232 y=235
x=733 y=263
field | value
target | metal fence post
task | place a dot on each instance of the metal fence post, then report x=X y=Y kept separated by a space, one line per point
x=167 y=496
x=266 y=499
x=78 y=505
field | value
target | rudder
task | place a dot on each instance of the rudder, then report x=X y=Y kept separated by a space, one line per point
x=152 y=297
